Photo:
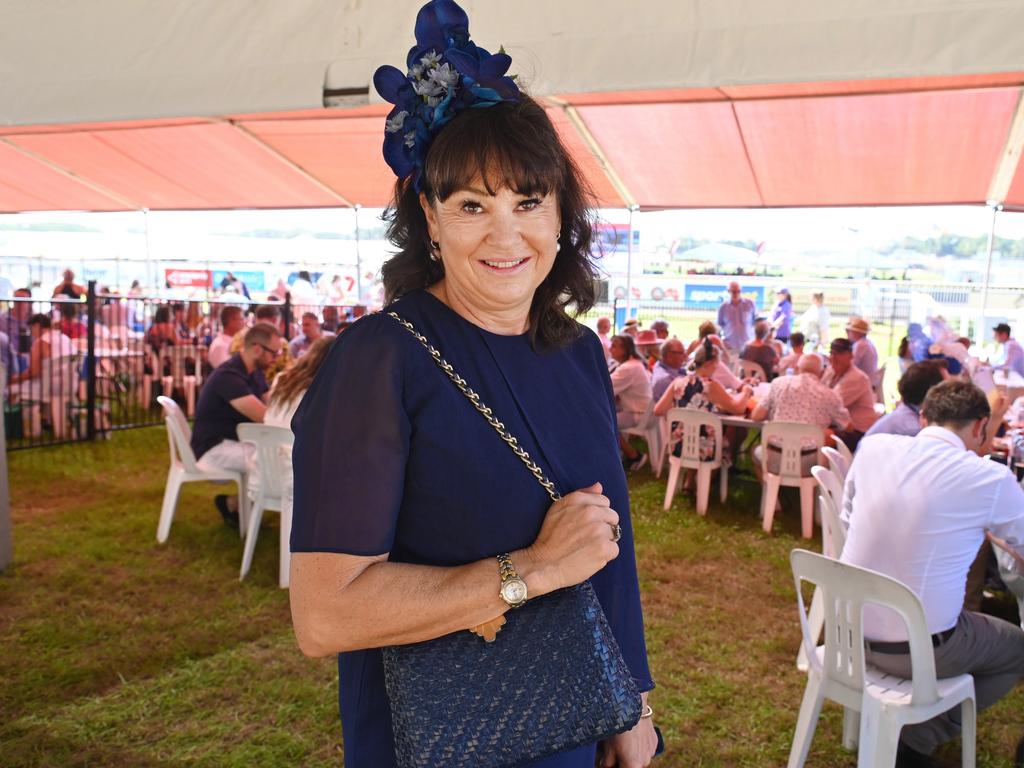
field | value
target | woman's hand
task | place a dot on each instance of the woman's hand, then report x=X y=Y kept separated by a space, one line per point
x=574 y=543
x=632 y=749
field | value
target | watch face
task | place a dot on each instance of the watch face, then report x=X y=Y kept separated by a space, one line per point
x=514 y=591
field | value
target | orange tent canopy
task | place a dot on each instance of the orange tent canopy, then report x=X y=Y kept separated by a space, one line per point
x=907 y=141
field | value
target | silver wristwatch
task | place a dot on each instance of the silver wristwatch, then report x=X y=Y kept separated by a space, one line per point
x=513 y=588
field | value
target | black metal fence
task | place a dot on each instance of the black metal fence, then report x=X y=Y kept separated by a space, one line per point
x=80 y=368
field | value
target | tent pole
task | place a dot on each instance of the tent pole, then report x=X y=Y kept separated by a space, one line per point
x=6 y=548
x=629 y=265
x=979 y=331
x=149 y=257
x=359 y=264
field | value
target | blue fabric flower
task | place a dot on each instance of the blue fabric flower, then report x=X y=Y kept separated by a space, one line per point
x=447 y=73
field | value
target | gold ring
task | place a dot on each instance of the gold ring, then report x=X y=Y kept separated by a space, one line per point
x=616 y=532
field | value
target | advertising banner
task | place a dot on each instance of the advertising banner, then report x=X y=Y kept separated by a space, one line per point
x=254 y=281
x=187 y=278
x=710 y=296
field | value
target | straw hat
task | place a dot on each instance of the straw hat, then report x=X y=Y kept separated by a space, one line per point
x=859 y=324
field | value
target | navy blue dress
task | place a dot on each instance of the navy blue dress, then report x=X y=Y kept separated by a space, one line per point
x=390 y=457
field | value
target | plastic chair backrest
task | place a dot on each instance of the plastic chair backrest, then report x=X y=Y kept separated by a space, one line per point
x=832 y=532
x=846 y=589
x=59 y=376
x=790 y=436
x=749 y=368
x=692 y=420
x=271 y=459
x=179 y=434
x=845 y=452
x=836 y=460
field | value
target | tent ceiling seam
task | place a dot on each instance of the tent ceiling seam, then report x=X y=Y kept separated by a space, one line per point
x=1009 y=159
x=598 y=151
x=291 y=164
x=746 y=153
x=67 y=173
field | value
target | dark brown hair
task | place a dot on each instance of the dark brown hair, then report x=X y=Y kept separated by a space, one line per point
x=955 y=403
x=511 y=145
x=630 y=344
x=919 y=378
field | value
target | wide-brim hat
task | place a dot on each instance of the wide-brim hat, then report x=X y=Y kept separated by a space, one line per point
x=859 y=324
x=647 y=337
x=631 y=321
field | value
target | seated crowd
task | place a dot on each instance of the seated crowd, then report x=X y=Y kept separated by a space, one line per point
x=653 y=372
x=922 y=500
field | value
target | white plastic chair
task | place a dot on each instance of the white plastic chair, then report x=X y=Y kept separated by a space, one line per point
x=748 y=368
x=833 y=539
x=692 y=420
x=274 y=490
x=184 y=469
x=790 y=437
x=649 y=427
x=845 y=452
x=839 y=672
x=836 y=462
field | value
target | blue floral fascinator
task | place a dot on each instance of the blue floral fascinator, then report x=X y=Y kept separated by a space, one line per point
x=447 y=73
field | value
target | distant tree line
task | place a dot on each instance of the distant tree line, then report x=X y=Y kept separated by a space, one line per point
x=959 y=246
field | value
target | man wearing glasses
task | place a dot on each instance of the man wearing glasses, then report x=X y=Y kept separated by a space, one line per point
x=234 y=393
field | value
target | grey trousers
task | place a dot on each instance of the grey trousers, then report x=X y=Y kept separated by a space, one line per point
x=990 y=649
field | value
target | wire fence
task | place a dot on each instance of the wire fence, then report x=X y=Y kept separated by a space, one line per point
x=81 y=368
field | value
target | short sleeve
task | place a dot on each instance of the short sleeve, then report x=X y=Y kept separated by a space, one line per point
x=351 y=446
x=232 y=386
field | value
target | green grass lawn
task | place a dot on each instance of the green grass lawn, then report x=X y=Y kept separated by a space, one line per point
x=119 y=652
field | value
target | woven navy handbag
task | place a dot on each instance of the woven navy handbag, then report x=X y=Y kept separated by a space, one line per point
x=554 y=678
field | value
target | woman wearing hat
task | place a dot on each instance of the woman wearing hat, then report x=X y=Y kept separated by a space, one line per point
x=414 y=522
x=865 y=356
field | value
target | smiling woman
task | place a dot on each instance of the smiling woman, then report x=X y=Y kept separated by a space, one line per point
x=413 y=520
x=505 y=169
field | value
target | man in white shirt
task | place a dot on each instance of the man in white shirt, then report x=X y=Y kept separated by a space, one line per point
x=231 y=322
x=1011 y=357
x=918 y=511
x=854 y=389
x=815 y=321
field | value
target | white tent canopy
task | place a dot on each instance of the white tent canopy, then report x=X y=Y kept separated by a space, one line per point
x=108 y=60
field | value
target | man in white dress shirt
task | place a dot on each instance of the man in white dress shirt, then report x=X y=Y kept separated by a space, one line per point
x=1011 y=354
x=918 y=511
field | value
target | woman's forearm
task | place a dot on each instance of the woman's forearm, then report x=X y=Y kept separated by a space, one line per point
x=341 y=604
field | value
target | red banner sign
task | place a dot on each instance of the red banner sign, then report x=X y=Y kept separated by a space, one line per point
x=188 y=278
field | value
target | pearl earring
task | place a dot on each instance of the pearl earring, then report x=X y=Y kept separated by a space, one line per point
x=435 y=250
x=558 y=243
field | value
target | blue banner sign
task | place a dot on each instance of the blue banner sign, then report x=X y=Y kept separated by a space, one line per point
x=254 y=281
x=707 y=296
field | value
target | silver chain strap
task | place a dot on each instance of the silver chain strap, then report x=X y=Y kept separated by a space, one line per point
x=484 y=411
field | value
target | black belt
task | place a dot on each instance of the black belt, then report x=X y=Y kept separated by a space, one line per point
x=904 y=647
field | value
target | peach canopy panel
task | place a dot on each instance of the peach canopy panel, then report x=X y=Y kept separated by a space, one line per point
x=927 y=140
